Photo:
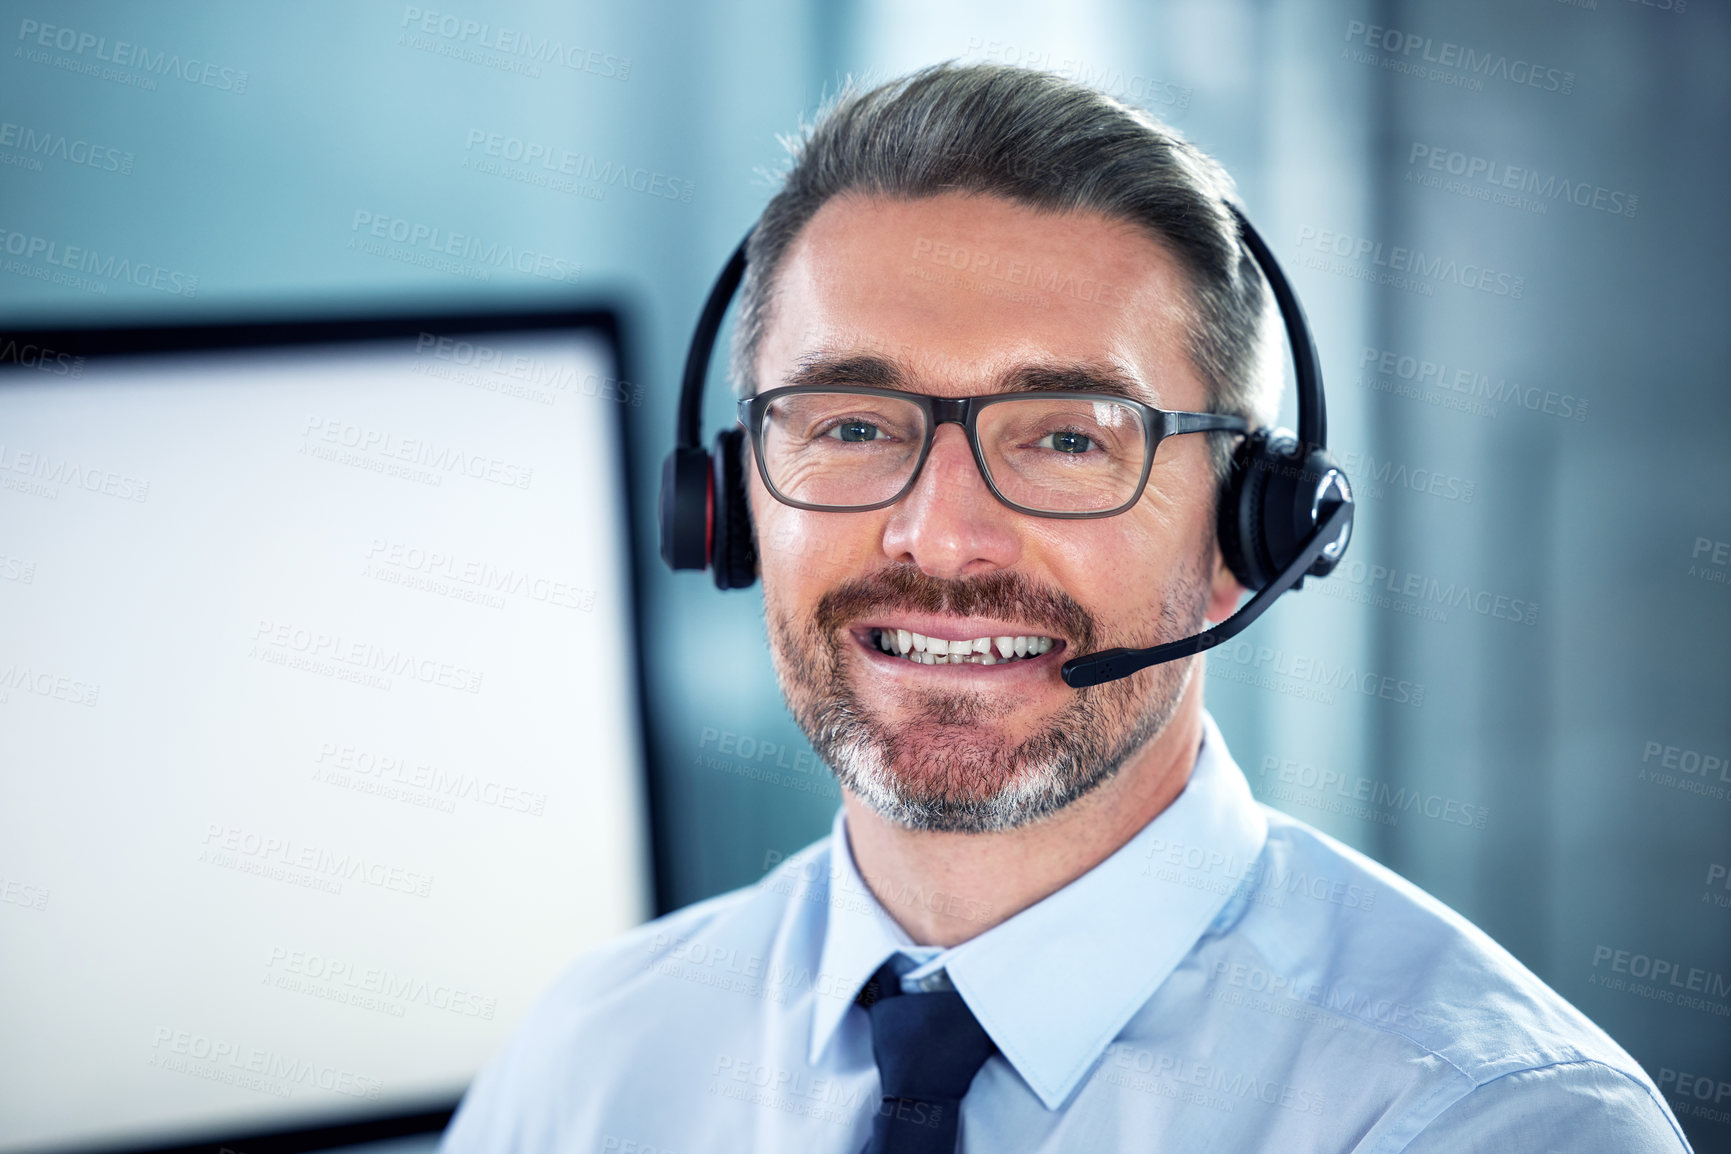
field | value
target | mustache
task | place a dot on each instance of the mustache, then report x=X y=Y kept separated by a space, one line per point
x=1004 y=594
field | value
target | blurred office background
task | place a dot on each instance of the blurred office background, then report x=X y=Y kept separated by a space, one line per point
x=1504 y=217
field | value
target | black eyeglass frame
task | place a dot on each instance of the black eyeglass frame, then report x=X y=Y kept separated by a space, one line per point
x=1157 y=425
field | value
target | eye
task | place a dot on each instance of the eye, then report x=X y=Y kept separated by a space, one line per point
x=855 y=430
x=1066 y=441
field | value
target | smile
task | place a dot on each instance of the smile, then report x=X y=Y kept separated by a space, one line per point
x=923 y=650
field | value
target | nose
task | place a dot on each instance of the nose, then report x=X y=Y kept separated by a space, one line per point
x=950 y=524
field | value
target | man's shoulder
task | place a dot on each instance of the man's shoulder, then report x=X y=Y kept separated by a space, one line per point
x=679 y=996
x=746 y=942
x=1356 y=940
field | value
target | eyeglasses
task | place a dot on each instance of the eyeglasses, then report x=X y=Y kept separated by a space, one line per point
x=1050 y=454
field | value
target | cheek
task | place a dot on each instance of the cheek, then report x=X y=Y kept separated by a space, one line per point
x=1128 y=558
x=802 y=555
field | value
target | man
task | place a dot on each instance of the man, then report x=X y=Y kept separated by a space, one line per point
x=1046 y=919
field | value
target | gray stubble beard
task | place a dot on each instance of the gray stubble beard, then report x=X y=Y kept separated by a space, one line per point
x=958 y=785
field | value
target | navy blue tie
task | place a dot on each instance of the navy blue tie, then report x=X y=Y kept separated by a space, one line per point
x=928 y=1049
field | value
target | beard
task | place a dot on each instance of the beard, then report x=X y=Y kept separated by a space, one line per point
x=946 y=767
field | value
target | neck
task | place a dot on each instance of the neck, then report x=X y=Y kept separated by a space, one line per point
x=944 y=888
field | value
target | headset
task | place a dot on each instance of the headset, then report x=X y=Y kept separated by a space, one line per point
x=1285 y=509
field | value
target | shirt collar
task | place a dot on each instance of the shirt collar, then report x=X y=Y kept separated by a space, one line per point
x=1054 y=984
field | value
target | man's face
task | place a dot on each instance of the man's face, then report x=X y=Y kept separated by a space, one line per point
x=959 y=295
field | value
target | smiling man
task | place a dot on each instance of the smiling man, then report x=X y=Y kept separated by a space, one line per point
x=1046 y=918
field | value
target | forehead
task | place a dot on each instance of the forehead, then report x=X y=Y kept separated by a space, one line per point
x=961 y=291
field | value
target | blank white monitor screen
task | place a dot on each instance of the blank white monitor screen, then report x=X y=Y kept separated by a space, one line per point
x=320 y=752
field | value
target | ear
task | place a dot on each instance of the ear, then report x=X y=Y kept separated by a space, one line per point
x=1224 y=591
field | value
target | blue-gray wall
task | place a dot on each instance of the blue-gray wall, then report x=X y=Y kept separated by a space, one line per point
x=1564 y=710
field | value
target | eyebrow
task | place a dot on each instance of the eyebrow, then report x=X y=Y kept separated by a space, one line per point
x=883 y=373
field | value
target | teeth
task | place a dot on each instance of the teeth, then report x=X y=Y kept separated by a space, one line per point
x=923 y=650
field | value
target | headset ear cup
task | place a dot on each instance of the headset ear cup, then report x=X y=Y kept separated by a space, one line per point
x=733 y=561
x=685 y=515
x=1241 y=523
x=1274 y=497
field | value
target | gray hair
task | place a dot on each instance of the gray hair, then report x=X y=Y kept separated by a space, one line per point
x=1052 y=144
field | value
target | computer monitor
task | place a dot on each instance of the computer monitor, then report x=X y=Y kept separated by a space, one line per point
x=321 y=751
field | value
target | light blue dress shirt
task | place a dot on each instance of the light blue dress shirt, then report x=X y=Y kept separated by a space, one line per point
x=1230 y=979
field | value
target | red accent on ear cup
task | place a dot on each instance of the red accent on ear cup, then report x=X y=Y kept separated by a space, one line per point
x=709 y=518
x=683 y=508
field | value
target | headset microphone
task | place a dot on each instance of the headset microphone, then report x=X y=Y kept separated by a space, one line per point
x=1285 y=508
x=1111 y=664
